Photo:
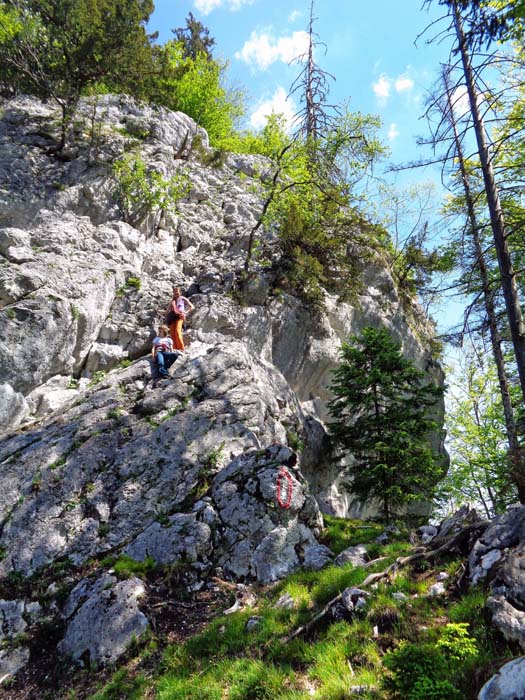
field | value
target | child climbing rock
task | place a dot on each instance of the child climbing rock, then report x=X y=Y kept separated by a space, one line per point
x=162 y=351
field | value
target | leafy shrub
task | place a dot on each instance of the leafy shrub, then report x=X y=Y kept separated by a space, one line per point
x=141 y=190
x=418 y=672
x=456 y=643
x=133 y=282
x=433 y=689
x=194 y=85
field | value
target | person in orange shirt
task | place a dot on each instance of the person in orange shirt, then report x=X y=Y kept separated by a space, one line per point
x=179 y=308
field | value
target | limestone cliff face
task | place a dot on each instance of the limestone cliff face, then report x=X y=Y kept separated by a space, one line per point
x=81 y=290
x=97 y=459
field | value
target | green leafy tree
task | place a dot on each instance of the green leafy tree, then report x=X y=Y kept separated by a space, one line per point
x=141 y=190
x=195 y=86
x=312 y=204
x=57 y=49
x=479 y=472
x=381 y=413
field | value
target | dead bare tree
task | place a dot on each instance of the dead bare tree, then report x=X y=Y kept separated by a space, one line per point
x=508 y=275
x=312 y=85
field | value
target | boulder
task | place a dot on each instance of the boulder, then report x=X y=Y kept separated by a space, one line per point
x=12 y=661
x=507 y=684
x=509 y=620
x=317 y=556
x=505 y=531
x=181 y=538
x=15 y=616
x=352 y=555
x=103 y=620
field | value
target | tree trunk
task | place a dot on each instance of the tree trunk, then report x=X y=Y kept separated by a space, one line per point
x=311 y=126
x=508 y=276
x=488 y=299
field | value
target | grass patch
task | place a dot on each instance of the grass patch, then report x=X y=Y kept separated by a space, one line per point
x=340 y=533
x=423 y=647
x=97 y=377
x=57 y=463
x=126 y=567
x=122 y=686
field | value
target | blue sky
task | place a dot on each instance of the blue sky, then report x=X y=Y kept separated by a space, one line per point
x=370 y=49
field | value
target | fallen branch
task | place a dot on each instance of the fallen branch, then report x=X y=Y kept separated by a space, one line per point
x=421 y=553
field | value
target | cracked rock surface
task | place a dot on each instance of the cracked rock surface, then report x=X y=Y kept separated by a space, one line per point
x=96 y=458
x=88 y=285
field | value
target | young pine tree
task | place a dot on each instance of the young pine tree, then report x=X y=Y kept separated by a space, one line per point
x=381 y=417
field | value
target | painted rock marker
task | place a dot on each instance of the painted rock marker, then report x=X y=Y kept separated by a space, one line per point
x=284 y=477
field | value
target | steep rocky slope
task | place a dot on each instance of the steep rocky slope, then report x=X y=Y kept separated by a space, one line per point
x=85 y=289
x=99 y=459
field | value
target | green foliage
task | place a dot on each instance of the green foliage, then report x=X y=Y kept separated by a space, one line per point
x=194 y=85
x=311 y=204
x=103 y=530
x=270 y=141
x=126 y=567
x=195 y=38
x=418 y=672
x=141 y=190
x=456 y=644
x=212 y=460
x=294 y=440
x=122 y=686
x=97 y=376
x=133 y=282
x=340 y=533
x=381 y=416
x=59 y=48
x=57 y=463
x=479 y=472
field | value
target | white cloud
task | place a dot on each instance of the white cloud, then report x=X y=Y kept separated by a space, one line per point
x=263 y=49
x=460 y=101
x=385 y=84
x=381 y=87
x=294 y=15
x=206 y=6
x=403 y=83
x=278 y=104
x=393 y=132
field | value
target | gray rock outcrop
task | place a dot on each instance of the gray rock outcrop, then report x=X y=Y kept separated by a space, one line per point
x=88 y=287
x=96 y=457
x=507 y=684
x=104 y=620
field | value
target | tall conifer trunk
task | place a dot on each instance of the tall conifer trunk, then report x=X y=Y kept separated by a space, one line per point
x=508 y=276
x=488 y=300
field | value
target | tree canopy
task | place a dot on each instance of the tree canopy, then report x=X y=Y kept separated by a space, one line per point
x=58 y=48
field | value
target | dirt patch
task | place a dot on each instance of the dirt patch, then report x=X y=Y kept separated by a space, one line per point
x=174 y=615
